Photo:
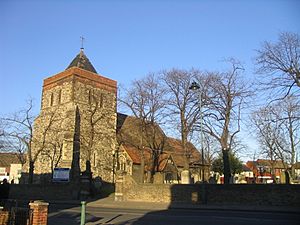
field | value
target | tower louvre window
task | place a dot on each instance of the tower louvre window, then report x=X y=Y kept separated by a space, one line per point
x=59 y=96
x=51 y=99
x=101 y=100
x=90 y=97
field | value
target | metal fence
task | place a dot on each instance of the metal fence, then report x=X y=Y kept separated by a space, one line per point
x=11 y=214
x=20 y=216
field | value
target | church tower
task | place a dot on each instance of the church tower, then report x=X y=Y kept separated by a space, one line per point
x=77 y=119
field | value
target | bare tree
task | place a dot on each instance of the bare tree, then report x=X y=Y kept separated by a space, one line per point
x=291 y=126
x=182 y=105
x=279 y=63
x=145 y=99
x=277 y=128
x=19 y=134
x=287 y=114
x=268 y=134
x=226 y=95
x=54 y=146
x=2 y=136
x=94 y=117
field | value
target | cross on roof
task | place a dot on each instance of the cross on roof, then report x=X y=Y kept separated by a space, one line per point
x=82 y=40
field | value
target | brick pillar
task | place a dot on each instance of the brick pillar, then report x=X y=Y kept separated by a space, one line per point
x=40 y=212
x=4 y=217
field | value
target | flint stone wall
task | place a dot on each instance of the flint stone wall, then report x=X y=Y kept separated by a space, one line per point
x=45 y=192
x=235 y=194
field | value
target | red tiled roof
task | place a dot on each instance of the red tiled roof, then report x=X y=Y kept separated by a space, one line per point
x=278 y=164
x=129 y=135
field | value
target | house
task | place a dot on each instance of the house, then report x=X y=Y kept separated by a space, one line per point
x=246 y=176
x=10 y=167
x=297 y=170
x=266 y=171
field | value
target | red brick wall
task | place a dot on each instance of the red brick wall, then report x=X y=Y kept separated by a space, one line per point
x=83 y=76
x=4 y=216
x=40 y=212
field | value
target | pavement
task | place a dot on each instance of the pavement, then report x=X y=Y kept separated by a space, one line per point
x=109 y=202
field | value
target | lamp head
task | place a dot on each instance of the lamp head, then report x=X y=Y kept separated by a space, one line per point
x=194 y=86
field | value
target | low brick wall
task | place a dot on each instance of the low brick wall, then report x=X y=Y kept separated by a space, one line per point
x=37 y=215
x=247 y=194
x=45 y=192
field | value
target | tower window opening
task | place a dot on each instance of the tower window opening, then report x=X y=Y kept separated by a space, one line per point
x=51 y=99
x=101 y=100
x=90 y=96
x=59 y=97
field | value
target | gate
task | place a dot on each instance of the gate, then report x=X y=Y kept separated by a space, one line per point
x=11 y=214
x=20 y=216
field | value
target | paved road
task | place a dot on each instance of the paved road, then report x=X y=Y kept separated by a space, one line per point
x=121 y=216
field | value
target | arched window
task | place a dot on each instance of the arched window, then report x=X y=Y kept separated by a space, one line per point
x=122 y=163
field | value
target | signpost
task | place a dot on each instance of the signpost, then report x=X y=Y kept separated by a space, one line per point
x=61 y=175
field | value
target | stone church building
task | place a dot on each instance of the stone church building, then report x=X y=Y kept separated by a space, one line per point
x=79 y=123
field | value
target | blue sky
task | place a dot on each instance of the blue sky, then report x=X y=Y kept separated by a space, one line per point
x=125 y=40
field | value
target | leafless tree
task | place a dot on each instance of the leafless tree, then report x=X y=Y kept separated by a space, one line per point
x=279 y=65
x=145 y=100
x=226 y=95
x=19 y=134
x=291 y=127
x=267 y=132
x=53 y=148
x=2 y=136
x=277 y=128
x=182 y=105
x=287 y=114
x=94 y=117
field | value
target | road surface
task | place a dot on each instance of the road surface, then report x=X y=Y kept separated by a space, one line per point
x=69 y=215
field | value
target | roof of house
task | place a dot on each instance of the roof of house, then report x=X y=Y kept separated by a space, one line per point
x=297 y=165
x=131 y=137
x=246 y=168
x=135 y=155
x=135 y=132
x=6 y=159
x=265 y=162
x=82 y=61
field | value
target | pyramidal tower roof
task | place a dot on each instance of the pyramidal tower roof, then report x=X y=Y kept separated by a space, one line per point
x=81 y=61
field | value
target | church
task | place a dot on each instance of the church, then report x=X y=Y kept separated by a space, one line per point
x=78 y=128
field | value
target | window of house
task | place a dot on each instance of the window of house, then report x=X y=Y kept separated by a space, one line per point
x=122 y=163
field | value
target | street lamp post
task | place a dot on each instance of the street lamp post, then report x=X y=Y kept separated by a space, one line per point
x=196 y=87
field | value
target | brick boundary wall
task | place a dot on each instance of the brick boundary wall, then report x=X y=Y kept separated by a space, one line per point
x=39 y=214
x=236 y=194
